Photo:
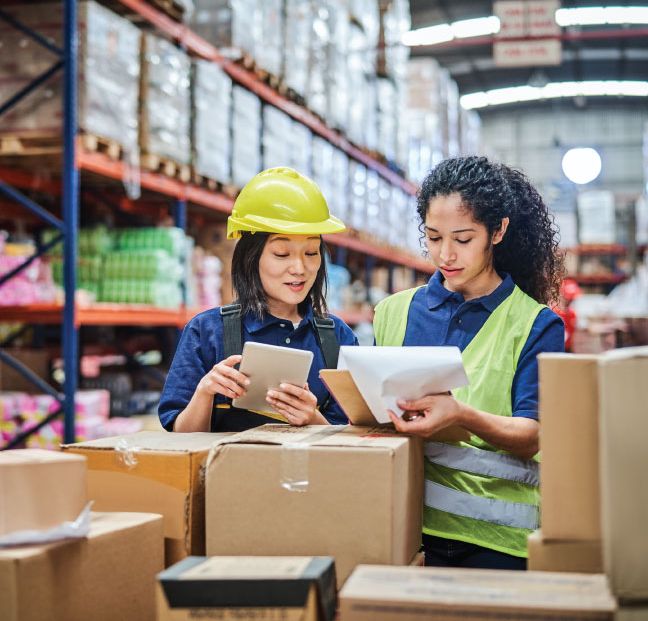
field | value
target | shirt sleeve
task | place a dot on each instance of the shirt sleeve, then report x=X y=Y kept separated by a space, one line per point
x=547 y=335
x=187 y=369
x=333 y=412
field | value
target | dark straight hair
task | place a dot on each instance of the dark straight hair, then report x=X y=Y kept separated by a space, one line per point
x=246 y=279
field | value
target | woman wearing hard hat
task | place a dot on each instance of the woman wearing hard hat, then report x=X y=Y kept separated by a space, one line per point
x=279 y=276
x=494 y=245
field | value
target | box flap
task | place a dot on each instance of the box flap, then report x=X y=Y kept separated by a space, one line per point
x=626 y=353
x=248 y=581
x=26 y=457
x=156 y=441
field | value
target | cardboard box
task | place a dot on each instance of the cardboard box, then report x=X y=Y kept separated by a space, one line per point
x=40 y=489
x=578 y=556
x=108 y=575
x=229 y=587
x=413 y=593
x=623 y=395
x=349 y=492
x=153 y=472
x=569 y=441
x=36 y=360
x=632 y=613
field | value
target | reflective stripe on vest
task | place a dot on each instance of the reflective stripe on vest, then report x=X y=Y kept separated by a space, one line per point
x=487 y=463
x=516 y=514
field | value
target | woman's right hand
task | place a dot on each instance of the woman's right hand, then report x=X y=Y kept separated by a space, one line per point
x=224 y=379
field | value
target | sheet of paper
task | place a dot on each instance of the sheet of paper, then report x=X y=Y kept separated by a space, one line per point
x=385 y=374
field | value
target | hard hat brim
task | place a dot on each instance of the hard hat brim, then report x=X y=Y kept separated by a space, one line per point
x=259 y=224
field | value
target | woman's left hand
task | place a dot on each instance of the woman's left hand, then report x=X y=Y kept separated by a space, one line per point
x=297 y=405
x=427 y=415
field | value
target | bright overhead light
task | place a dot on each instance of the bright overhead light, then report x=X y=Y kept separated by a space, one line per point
x=598 y=15
x=581 y=165
x=442 y=33
x=553 y=90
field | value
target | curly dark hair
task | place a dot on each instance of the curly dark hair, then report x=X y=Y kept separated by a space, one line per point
x=492 y=191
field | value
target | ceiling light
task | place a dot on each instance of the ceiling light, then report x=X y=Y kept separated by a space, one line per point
x=598 y=15
x=432 y=35
x=581 y=165
x=553 y=90
x=442 y=33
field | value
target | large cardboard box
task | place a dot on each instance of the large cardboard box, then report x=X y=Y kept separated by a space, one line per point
x=623 y=395
x=569 y=441
x=248 y=587
x=410 y=594
x=40 y=489
x=108 y=575
x=577 y=556
x=353 y=493
x=153 y=472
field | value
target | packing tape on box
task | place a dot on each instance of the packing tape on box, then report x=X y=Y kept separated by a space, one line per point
x=295 y=458
x=125 y=454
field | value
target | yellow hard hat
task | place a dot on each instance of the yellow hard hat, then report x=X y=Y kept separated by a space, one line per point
x=281 y=200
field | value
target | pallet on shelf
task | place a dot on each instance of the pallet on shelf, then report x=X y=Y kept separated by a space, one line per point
x=28 y=144
x=166 y=166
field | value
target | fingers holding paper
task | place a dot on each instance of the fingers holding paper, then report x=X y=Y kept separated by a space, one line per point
x=428 y=415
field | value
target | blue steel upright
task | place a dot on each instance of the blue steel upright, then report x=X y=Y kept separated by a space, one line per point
x=70 y=215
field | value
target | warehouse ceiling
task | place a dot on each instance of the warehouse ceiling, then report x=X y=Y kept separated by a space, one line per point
x=595 y=52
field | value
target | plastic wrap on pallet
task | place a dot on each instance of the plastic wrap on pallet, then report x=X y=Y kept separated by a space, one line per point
x=392 y=56
x=233 y=26
x=298 y=28
x=269 y=51
x=109 y=71
x=339 y=199
x=337 y=72
x=366 y=14
x=402 y=125
x=301 y=147
x=158 y=293
x=358 y=200
x=452 y=99
x=323 y=165
x=359 y=68
x=387 y=117
x=385 y=207
x=373 y=202
x=277 y=126
x=319 y=39
x=166 y=100
x=212 y=110
x=246 y=136
x=470 y=132
x=171 y=239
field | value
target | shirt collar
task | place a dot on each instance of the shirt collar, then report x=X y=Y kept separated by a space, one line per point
x=255 y=324
x=436 y=294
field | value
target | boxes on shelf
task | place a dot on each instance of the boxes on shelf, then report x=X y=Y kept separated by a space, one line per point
x=278 y=474
x=33 y=285
x=211 y=118
x=233 y=26
x=392 y=56
x=575 y=556
x=213 y=239
x=338 y=200
x=277 y=126
x=108 y=574
x=301 y=147
x=165 y=102
x=596 y=217
x=323 y=165
x=268 y=54
x=382 y=593
x=40 y=489
x=337 y=74
x=357 y=217
x=154 y=472
x=109 y=69
x=288 y=588
x=246 y=136
x=318 y=42
x=298 y=26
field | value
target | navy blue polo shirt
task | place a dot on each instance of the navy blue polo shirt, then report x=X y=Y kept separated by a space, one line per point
x=438 y=316
x=201 y=347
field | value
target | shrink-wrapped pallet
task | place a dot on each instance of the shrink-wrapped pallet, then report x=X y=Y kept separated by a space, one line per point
x=277 y=126
x=298 y=27
x=246 y=135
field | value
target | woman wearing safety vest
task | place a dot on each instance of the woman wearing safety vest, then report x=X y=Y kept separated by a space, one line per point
x=494 y=245
x=279 y=276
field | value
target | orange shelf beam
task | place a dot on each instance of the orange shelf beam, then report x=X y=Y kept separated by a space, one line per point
x=391 y=255
x=101 y=314
x=599 y=279
x=199 y=47
x=599 y=249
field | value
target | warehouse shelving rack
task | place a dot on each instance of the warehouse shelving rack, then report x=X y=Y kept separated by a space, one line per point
x=77 y=159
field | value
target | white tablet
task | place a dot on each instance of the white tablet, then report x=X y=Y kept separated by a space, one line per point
x=267 y=366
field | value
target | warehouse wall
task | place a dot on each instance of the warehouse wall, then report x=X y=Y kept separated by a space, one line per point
x=536 y=138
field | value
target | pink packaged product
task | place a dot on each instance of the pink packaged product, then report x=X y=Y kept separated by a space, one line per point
x=32 y=285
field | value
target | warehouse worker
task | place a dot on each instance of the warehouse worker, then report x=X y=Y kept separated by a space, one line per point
x=493 y=243
x=279 y=276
